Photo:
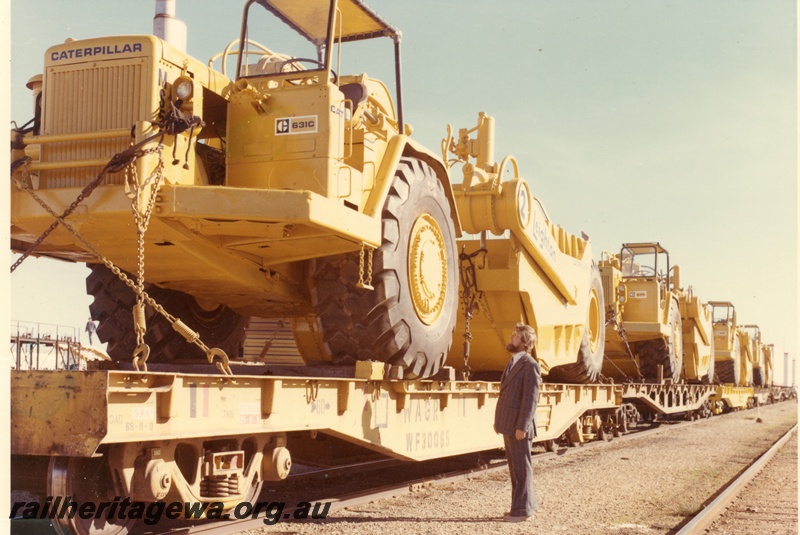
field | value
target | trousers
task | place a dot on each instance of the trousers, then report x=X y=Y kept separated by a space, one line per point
x=520 y=468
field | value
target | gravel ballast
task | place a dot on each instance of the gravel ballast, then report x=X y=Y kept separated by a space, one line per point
x=643 y=485
x=769 y=502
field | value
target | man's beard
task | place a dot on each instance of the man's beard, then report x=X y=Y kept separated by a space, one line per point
x=511 y=348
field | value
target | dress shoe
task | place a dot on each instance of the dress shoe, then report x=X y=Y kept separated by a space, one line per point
x=515 y=518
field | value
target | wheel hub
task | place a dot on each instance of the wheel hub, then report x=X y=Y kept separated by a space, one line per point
x=594 y=324
x=427 y=268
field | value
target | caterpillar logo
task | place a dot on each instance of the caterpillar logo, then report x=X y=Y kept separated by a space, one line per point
x=296 y=125
x=105 y=50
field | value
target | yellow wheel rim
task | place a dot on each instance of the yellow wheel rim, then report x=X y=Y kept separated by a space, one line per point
x=427 y=268
x=594 y=325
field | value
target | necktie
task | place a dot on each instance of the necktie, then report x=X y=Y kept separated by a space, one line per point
x=508 y=369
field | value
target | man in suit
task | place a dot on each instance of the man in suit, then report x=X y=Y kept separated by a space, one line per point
x=515 y=419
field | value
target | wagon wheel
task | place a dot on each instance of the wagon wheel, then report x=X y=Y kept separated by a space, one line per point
x=575 y=434
x=85 y=480
x=622 y=423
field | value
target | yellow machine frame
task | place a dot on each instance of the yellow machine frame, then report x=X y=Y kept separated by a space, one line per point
x=645 y=330
x=727 y=346
x=290 y=163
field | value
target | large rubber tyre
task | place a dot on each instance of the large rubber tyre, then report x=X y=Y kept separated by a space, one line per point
x=709 y=379
x=408 y=319
x=590 y=354
x=728 y=372
x=668 y=353
x=112 y=307
x=758 y=379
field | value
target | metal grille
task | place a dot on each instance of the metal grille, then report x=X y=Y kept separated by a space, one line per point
x=608 y=285
x=89 y=98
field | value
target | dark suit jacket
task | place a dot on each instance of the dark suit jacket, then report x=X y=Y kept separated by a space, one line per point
x=519 y=394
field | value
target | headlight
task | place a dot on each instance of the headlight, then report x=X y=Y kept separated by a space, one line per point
x=183 y=88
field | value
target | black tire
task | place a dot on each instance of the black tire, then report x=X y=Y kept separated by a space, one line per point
x=728 y=372
x=389 y=324
x=668 y=353
x=590 y=354
x=709 y=379
x=758 y=379
x=112 y=307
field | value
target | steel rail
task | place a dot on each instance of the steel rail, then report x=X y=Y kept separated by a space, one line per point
x=230 y=527
x=347 y=469
x=703 y=520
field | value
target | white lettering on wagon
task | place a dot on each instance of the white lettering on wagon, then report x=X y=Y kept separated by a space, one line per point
x=427 y=440
x=140 y=426
x=320 y=407
x=421 y=410
x=148 y=412
x=249 y=412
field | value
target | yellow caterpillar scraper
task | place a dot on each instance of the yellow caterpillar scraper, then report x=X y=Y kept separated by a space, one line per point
x=286 y=188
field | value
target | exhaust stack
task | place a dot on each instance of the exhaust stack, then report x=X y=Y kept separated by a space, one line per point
x=167 y=27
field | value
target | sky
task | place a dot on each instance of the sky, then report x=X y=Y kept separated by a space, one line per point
x=672 y=121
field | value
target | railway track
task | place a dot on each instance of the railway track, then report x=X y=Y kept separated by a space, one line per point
x=757 y=519
x=351 y=500
x=389 y=478
x=479 y=464
x=336 y=486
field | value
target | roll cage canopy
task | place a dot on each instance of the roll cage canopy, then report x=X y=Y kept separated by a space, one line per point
x=631 y=250
x=358 y=21
x=643 y=248
x=729 y=309
x=326 y=23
